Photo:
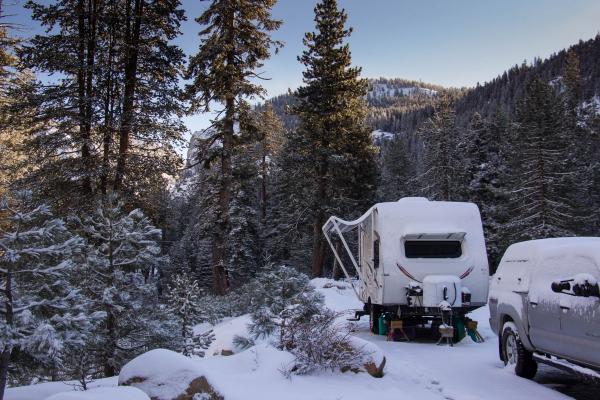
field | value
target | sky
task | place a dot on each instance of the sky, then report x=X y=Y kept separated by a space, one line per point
x=445 y=42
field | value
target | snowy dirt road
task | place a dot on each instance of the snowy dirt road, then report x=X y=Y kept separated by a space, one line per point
x=466 y=371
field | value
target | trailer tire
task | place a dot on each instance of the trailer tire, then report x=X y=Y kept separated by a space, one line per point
x=513 y=352
x=374 y=314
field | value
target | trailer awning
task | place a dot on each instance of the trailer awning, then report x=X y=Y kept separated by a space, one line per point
x=436 y=236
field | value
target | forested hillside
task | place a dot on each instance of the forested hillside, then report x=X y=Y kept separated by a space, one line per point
x=105 y=230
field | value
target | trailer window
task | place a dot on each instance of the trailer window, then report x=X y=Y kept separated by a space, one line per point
x=432 y=248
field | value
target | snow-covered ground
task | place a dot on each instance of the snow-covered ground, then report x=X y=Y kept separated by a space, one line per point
x=414 y=370
x=45 y=390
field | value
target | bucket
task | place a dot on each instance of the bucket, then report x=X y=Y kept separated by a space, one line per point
x=382 y=325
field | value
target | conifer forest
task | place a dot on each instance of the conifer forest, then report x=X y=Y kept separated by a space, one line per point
x=122 y=231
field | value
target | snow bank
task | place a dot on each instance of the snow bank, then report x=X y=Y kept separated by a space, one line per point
x=113 y=393
x=44 y=390
x=224 y=333
x=373 y=354
x=339 y=295
x=165 y=375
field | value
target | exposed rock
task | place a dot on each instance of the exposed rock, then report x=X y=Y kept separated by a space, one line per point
x=374 y=370
x=166 y=375
x=226 y=352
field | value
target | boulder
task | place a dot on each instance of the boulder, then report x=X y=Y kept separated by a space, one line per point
x=166 y=375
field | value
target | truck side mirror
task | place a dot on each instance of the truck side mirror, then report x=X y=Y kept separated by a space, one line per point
x=560 y=286
x=578 y=286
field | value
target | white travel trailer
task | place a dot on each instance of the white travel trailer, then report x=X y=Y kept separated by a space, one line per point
x=416 y=258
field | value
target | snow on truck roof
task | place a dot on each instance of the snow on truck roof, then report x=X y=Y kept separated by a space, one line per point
x=578 y=246
x=419 y=215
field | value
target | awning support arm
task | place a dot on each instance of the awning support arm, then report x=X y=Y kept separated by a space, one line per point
x=326 y=232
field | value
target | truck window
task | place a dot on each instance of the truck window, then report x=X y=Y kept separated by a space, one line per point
x=432 y=248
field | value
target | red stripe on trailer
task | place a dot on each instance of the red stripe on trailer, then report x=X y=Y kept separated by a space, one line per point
x=466 y=273
x=405 y=272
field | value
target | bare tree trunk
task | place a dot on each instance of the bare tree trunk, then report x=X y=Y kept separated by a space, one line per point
x=263 y=187
x=220 y=281
x=132 y=44
x=337 y=272
x=82 y=96
x=111 y=345
x=9 y=316
x=4 y=362
x=318 y=257
x=109 y=368
x=107 y=134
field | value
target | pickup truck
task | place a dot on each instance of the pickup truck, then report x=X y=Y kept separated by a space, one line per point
x=545 y=305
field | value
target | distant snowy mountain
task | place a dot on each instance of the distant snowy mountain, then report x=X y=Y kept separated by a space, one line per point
x=390 y=89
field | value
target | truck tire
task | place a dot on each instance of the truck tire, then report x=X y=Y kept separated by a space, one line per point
x=374 y=314
x=514 y=353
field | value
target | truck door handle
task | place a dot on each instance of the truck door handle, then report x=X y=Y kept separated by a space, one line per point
x=565 y=308
x=533 y=303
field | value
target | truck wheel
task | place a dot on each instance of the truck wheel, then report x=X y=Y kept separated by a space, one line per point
x=514 y=353
x=374 y=314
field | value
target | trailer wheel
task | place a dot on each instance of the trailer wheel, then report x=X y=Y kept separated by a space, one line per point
x=374 y=314
x=514 y=353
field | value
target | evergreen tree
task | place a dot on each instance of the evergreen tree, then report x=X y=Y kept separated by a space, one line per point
x=184 y=301
x=41 y=312
x=339 y=157
x=290 y=232
x=272 y=135
x=543 y=180
x=573 y=87
x=441 y=175
x=119 y=277
x=235 y=42
x=397 y=171
x=112 y=119
x=14 y=120
x=487 y=169
x=244 y=244
x=286 y=299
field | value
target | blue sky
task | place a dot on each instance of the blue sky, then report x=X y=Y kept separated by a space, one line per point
x=446 y=42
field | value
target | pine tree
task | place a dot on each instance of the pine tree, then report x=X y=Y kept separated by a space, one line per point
x=272 y=135
x=573 y=87
x=183 y=297
x=397 y=171
x=41 y=312
x=487 y=172
x=119 y=277
x=543 y=181
x=112 y=119
x=288 y=239
x=286 y=299
x=339 y=153
x=244 y=245
x=441 y=165
x=235 y=42
x=14 y=121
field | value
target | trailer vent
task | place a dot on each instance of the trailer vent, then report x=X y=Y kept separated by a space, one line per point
x=432 y=248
